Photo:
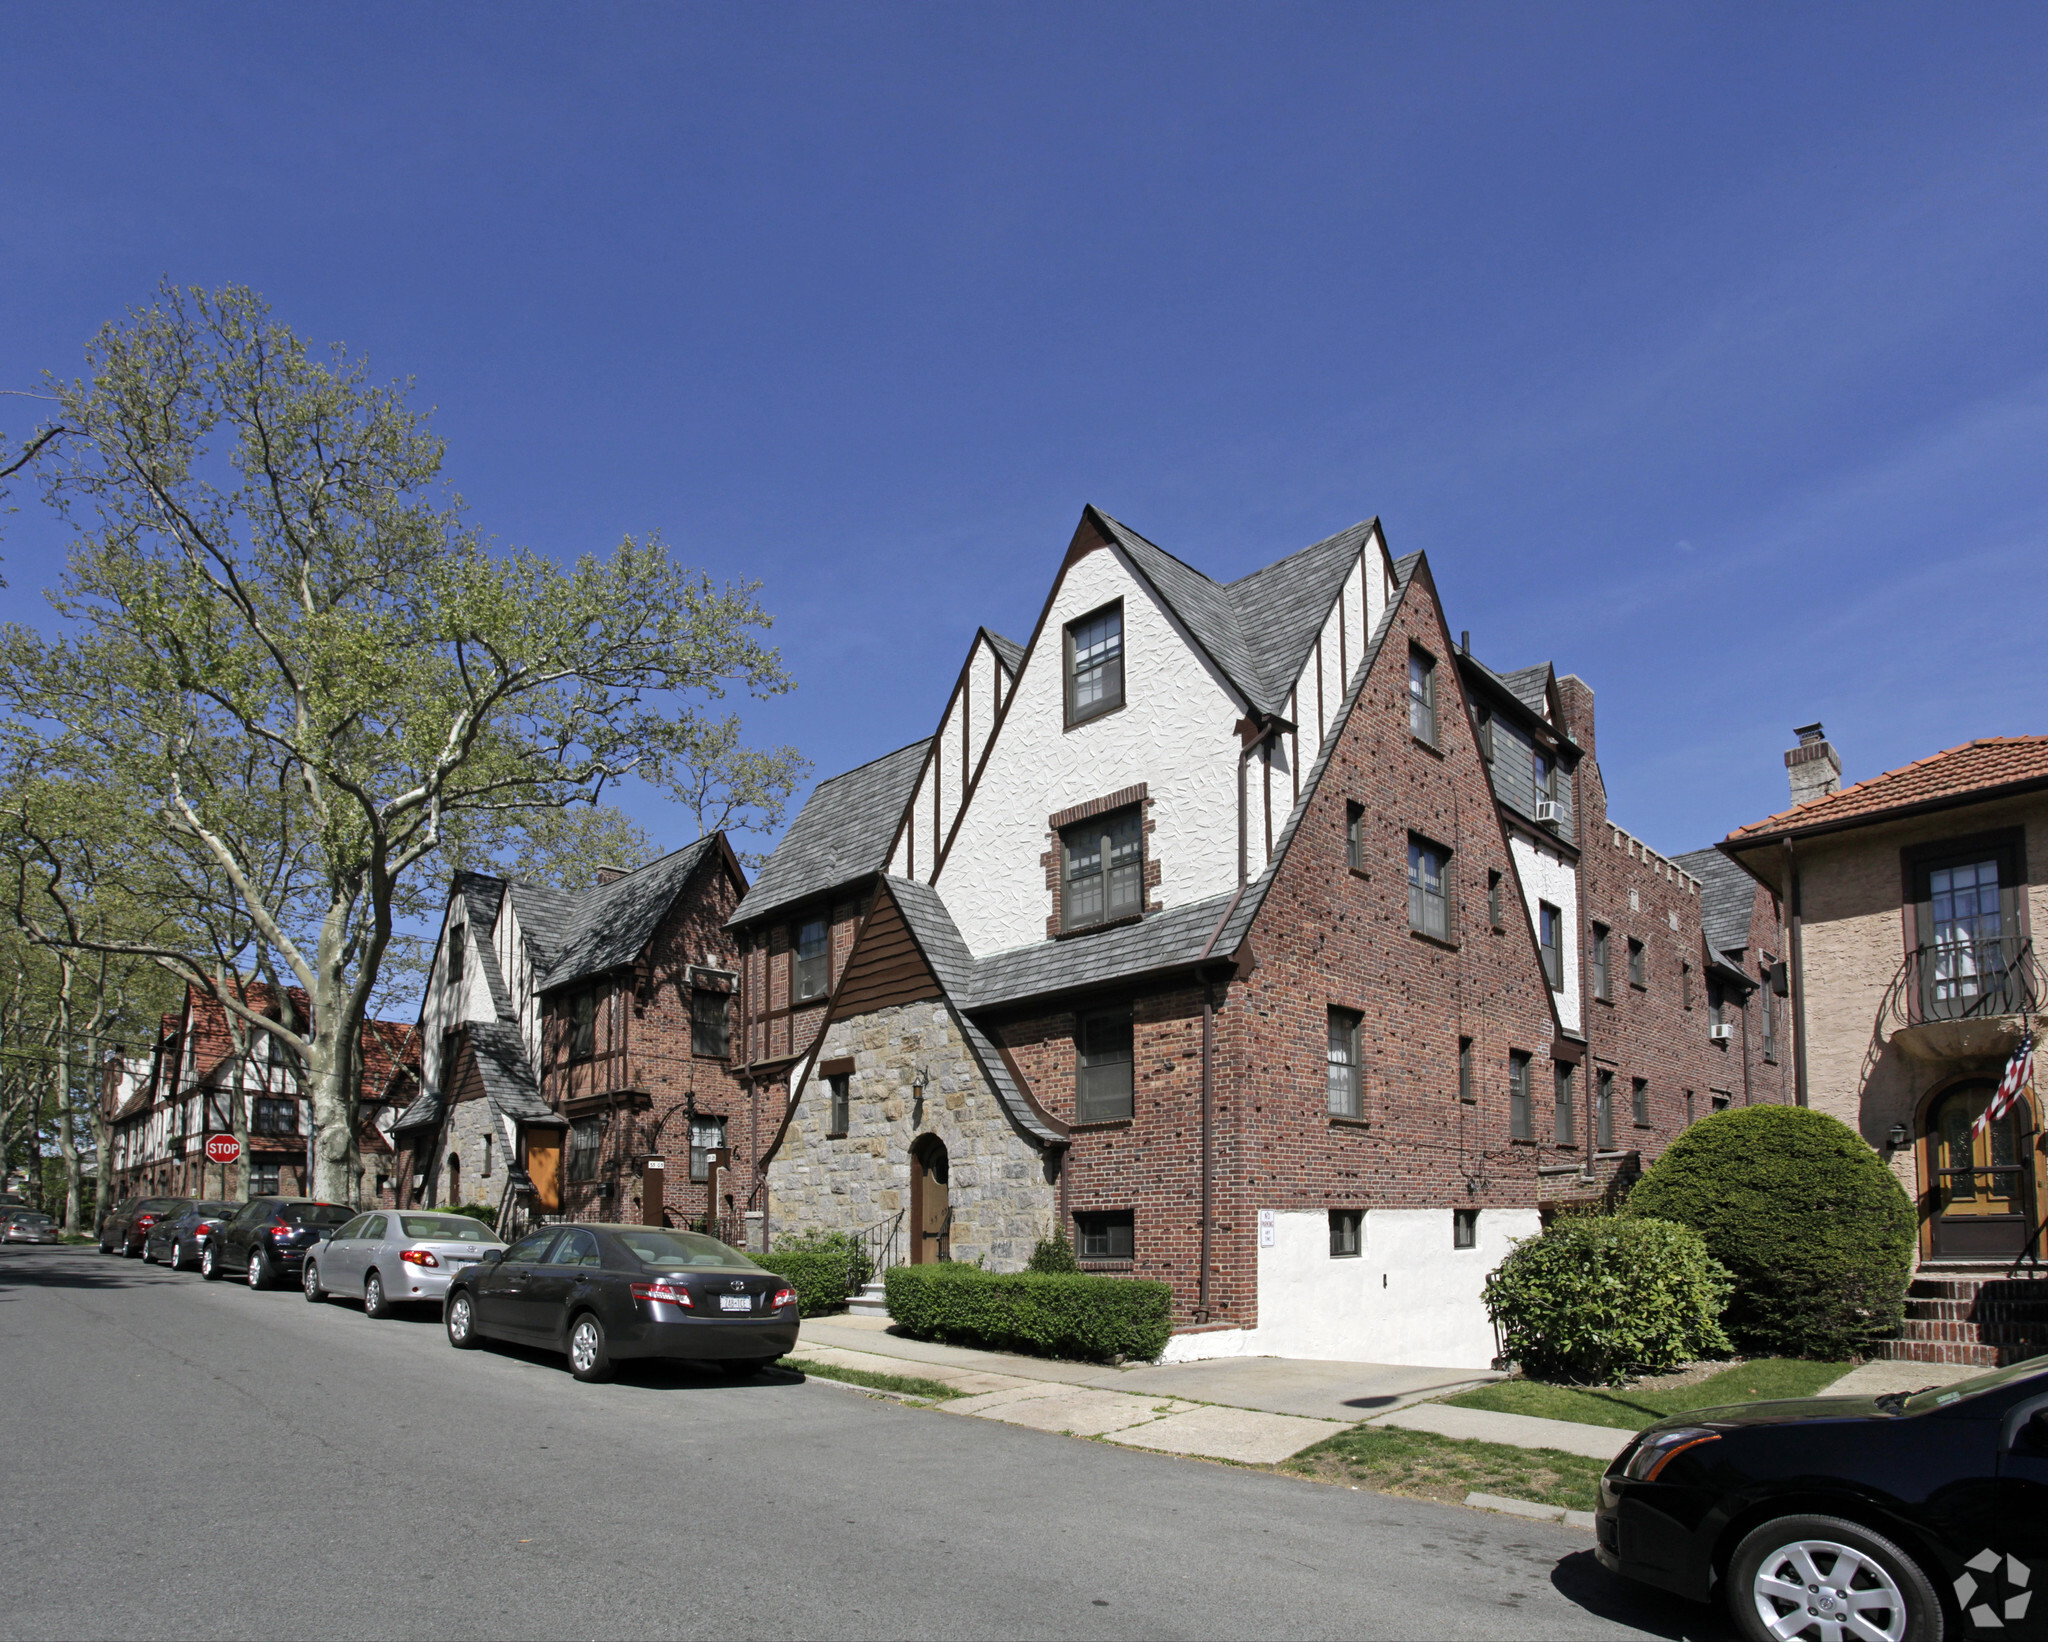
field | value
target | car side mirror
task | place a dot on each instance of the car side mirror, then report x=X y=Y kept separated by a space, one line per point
x=493 y=1256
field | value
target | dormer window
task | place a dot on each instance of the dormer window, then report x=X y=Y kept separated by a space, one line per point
x=1095 y=664
x=1102 y=869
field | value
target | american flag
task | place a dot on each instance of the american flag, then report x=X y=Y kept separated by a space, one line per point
x=2019 y=1075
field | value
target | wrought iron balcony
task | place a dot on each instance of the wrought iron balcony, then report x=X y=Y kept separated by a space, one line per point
x=1964 y=1000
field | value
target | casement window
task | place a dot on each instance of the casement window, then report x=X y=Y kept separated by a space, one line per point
x=1639 y=1100
x=583 y=1025
x=1106 y=1235
x=1102 y=866
x=1095 y=664
x=274 y=1117
x=1429 y=889
x=1564 y=1131
x=586 y=1140
x=1770 y=1015
x=263 y=1179
x=1493 y=913
x=1103 y=1053
x=707 y=1134
x=1716 y=1002
x=1688 y=1109
x=1422 y=697
x=1542 y=774
x=1347 y=1074
x=1549 y=936
x=810 y=946
x=1354 y=836
x=1347 y=1227
x=458 y=953
x=1465 y=1091
x=1483 y=723
x=1638 y=964
x=1464 y=1228
x=1603 y=1112
x=841 y=1119
x=1603 y=960
x=708 y=1015
x=1519 y=1124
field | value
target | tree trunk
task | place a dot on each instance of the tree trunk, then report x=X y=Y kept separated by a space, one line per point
x=67 y=1144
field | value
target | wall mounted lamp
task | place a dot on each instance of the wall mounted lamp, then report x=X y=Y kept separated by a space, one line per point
x=1898 y=1137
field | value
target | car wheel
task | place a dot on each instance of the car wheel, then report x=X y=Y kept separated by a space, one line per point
x=209 y=1262
x=1840 y=1578
x=375 y=1302
x=461 y=1321
x=309 y=1283
x=177 y=1259
x=259 y=1270
x=589 y=1357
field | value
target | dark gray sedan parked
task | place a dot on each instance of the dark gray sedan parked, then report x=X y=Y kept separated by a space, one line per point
x=601 y=1293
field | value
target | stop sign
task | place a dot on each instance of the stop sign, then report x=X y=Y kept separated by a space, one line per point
x=222 y=1148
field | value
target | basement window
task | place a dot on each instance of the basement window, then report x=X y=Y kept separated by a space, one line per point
x=1464 y=1228
x=1105 y=1235
x=1347 y=1233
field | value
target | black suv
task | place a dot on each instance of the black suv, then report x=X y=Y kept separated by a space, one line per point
x=268 y=1238
x=126 y=1229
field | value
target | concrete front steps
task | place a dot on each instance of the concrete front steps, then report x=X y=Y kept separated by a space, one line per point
x=870 y=1302
x=1973 y=1317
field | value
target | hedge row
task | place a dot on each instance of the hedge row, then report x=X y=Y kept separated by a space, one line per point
x=1096 y=1318
x=819 y=1276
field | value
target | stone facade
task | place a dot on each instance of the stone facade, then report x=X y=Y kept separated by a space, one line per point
x=1001 y=1198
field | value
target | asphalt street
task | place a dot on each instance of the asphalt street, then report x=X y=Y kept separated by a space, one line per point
x=191 y=1459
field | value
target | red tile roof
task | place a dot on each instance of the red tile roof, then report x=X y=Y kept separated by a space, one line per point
x=1979 y=767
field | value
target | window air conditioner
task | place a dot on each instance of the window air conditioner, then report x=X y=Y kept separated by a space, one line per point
x=1723 y=1033
x=1549 y=811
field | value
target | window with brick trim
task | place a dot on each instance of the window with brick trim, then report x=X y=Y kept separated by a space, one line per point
x=1721 y=1099
x=1639 y=1101
x=263 y=1179
x=1716 y=1003
x=707 y=1134
x=1102 y=869
x=1520 y=1126
x=1346 y=1233
x=1549 y=938
x=708 y=1031
x=1422 y=697
x=586 y=1140
x=1110 y=1234
x=1095 y=664
x=810 y=953
x=1770 y=1015
x=1465 y=1092
x=1103 y=1087
x=1493 y=915
x=1688 y=1109
x=841 y=1118
x=1347 y=1075
x=1354 y=836
x=1429 y=889
x=1603 y=1112
x=583 y=1025
x=1638 y=964
x=1564 y=1130
x=1603 y=958
x=1464 y=1228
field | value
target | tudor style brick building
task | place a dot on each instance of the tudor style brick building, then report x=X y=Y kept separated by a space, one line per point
x=1256 y=934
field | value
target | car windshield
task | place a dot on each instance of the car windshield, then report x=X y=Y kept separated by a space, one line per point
x=1940 y=1396
x=314 y=1214
x=161 y=1205
x=458 y=1227
x=207 y=1211
x=673 y=1250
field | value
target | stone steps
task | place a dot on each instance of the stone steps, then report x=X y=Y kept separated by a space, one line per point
x=870 y=1302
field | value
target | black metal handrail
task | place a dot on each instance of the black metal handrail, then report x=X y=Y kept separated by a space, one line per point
x=880 y=1247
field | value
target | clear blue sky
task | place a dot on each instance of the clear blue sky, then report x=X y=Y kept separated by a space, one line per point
x=1702 y=348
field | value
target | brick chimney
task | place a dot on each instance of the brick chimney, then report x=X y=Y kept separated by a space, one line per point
x=1814 y=766
x=1577 y=696
x=611 y=875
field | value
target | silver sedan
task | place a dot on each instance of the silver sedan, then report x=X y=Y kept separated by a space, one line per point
x=393 y=1257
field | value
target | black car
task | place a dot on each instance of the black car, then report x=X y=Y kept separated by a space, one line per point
x=601 y=1293
x=178 y=1240
x=1901 y=1517
x=268 y=1238
x=125 y=1230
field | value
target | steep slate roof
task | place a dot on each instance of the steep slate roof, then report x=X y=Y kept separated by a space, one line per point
x=1531 y=687
x=1008 y=651
x=1727 y=898
x=843 y=832
x=1203 y=607
x=1282 y=608
x=480 y=895
x=613 y=922
x=545 y=917
x=508 y=1080
x=1976 y=769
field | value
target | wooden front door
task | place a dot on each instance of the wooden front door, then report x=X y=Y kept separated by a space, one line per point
x=1980 y=1181
x=544 y=1169
x=931 y=1214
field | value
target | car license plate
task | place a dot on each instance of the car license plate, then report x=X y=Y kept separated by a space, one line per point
x=735 y=1302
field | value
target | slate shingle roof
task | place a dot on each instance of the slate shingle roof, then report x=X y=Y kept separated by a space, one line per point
x=1977 y=768
x=609 y=925
x=1008 y=651
x=508 y=1080
x=1531 y=687
x=1727 y=898
x=843 y=833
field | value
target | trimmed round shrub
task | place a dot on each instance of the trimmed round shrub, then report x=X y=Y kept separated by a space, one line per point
x=1597 y=1298
x=1815 y=1229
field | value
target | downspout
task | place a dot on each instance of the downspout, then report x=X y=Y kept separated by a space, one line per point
x=1798 y=956
x=1208 y=1130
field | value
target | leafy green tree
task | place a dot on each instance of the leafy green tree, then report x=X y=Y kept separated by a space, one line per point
x=301 y=677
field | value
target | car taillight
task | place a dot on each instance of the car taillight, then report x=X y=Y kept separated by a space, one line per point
x=144 y=1221
x=664 y=1294
x=783 y=1297
x=418 y=1257
x=282 y=1232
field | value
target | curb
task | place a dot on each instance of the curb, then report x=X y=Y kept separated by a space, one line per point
x=1531 y=1509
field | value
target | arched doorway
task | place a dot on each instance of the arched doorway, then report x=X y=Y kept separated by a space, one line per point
x=931 y=1212
x=1978 y=1182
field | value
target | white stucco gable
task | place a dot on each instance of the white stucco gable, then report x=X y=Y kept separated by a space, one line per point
x=1547 y=876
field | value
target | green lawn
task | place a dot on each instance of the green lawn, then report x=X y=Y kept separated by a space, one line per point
x=1390 y=1460
x=907 y=1385
x=1630 y=1409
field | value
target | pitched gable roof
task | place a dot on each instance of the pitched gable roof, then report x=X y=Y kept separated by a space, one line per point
x=1976 y=770
x=1008 y=651
x=1283 y=607
x=1202 y=606
x=842 y=833
x=609 y=925
x=1531 y=687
